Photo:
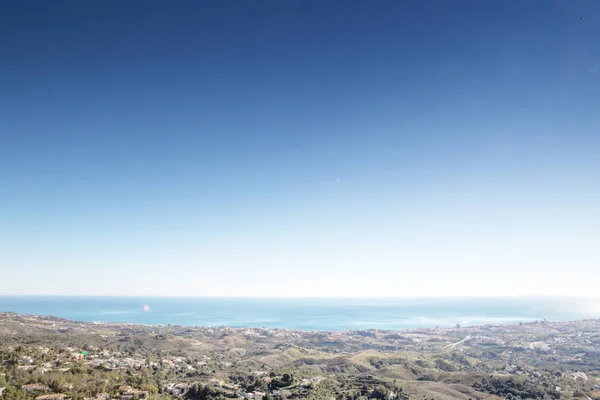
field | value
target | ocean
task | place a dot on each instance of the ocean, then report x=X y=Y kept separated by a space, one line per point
x=305 y=314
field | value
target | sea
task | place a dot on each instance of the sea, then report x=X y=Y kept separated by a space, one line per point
x=306 y=314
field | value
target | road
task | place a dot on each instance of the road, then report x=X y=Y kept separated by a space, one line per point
x=459 y=342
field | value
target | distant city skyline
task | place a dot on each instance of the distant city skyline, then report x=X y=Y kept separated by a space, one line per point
x=300 y=149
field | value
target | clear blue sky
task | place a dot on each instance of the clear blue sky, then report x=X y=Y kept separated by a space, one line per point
x=300 y=148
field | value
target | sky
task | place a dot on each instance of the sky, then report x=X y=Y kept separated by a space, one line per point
x=300 y=148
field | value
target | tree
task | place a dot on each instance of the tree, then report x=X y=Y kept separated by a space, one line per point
x=287 y=379
x=202 y=392
x=380 y=393
x=13 y=393
x=149 y=388
x=134 y=380
x=56 y=383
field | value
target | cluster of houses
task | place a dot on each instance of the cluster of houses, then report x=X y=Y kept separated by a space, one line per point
x=175 y=389
x=178 y=389
x=129 y=393
x=61 y=360
x=125 y=392
x=106 y=360
x=109 y=360
x=37 y=387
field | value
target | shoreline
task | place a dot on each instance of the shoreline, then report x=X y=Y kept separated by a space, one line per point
x=307 y=315
x=508 y=325
x=484 y=361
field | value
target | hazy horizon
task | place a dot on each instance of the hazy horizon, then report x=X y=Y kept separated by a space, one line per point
x=300 y=149
x=391 y=298
x=306 y=313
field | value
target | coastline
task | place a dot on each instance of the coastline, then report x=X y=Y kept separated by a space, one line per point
x=394 y=314
x=121 y=325
x=484 y=361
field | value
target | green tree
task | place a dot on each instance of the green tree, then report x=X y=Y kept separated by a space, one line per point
x=134 y=381
x=380 y=393
x=13 y=393
x=202 y=392
x=149 y=388
x=287 y=379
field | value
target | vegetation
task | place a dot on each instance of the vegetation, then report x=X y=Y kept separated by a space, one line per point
x=127 y=362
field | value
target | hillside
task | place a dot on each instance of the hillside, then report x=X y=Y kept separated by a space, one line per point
x=42 y=356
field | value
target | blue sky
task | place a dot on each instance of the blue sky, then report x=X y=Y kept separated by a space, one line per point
x=300 y=148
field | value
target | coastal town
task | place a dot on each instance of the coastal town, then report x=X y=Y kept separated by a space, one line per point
x=47 y=358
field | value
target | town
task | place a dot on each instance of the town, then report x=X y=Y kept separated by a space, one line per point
x=48 y=358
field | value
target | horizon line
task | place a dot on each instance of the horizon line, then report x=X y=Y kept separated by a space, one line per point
x=303 y=297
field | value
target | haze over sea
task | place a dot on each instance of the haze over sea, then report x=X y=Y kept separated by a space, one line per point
x=332 y=314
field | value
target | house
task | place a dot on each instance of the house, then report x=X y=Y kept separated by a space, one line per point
x=26 y=360
x=579 y=375
x=180 y=388
x=125 y=389
x=32 y=387
x=2 y=390
x=134 y=394
x=40 y=371
x=127 y=363
x=103 y=396
x=53 y=396
x=216 y=382
x=176 y=390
